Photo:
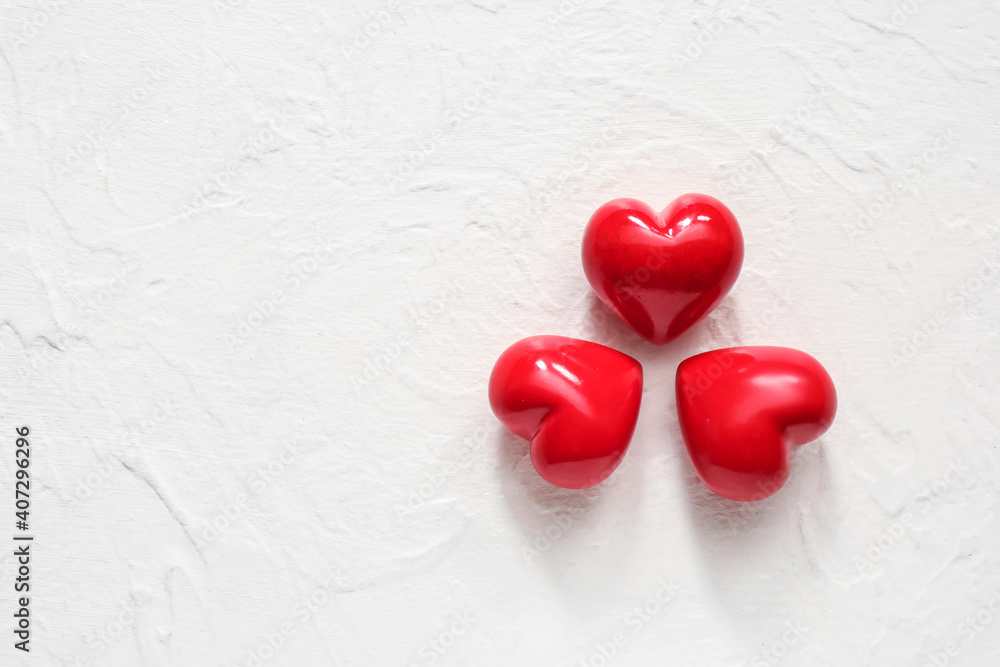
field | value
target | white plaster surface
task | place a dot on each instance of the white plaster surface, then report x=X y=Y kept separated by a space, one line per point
x=259 y=257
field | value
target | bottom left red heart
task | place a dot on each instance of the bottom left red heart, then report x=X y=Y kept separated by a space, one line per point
x=576 y=401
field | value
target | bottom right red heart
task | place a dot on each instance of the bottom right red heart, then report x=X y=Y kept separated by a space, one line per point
x=743 y=409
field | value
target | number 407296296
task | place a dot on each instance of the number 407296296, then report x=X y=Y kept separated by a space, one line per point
x=23 y=476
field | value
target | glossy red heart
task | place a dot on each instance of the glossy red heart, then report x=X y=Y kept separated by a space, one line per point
x=742 y=410
x=661 y=273
x=576 y=401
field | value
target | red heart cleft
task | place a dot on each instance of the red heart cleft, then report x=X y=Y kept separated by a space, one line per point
x=662 y=273
x=743 y=409
x=576 y=401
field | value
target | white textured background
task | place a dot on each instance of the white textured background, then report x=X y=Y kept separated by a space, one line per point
x=258 y=258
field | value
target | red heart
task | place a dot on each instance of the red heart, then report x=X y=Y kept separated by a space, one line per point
x=577 y=402
x=662 y=272
x=742 y=409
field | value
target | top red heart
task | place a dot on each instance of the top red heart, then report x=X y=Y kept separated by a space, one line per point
x=661 y=273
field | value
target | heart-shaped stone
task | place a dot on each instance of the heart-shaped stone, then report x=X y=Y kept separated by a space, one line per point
x=742 y=409
x=661 y=273
x=576 y=401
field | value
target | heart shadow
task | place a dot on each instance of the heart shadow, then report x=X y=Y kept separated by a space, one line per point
x=558 y=525
x=745 y=546
x=602 y=326
x=521 y=480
